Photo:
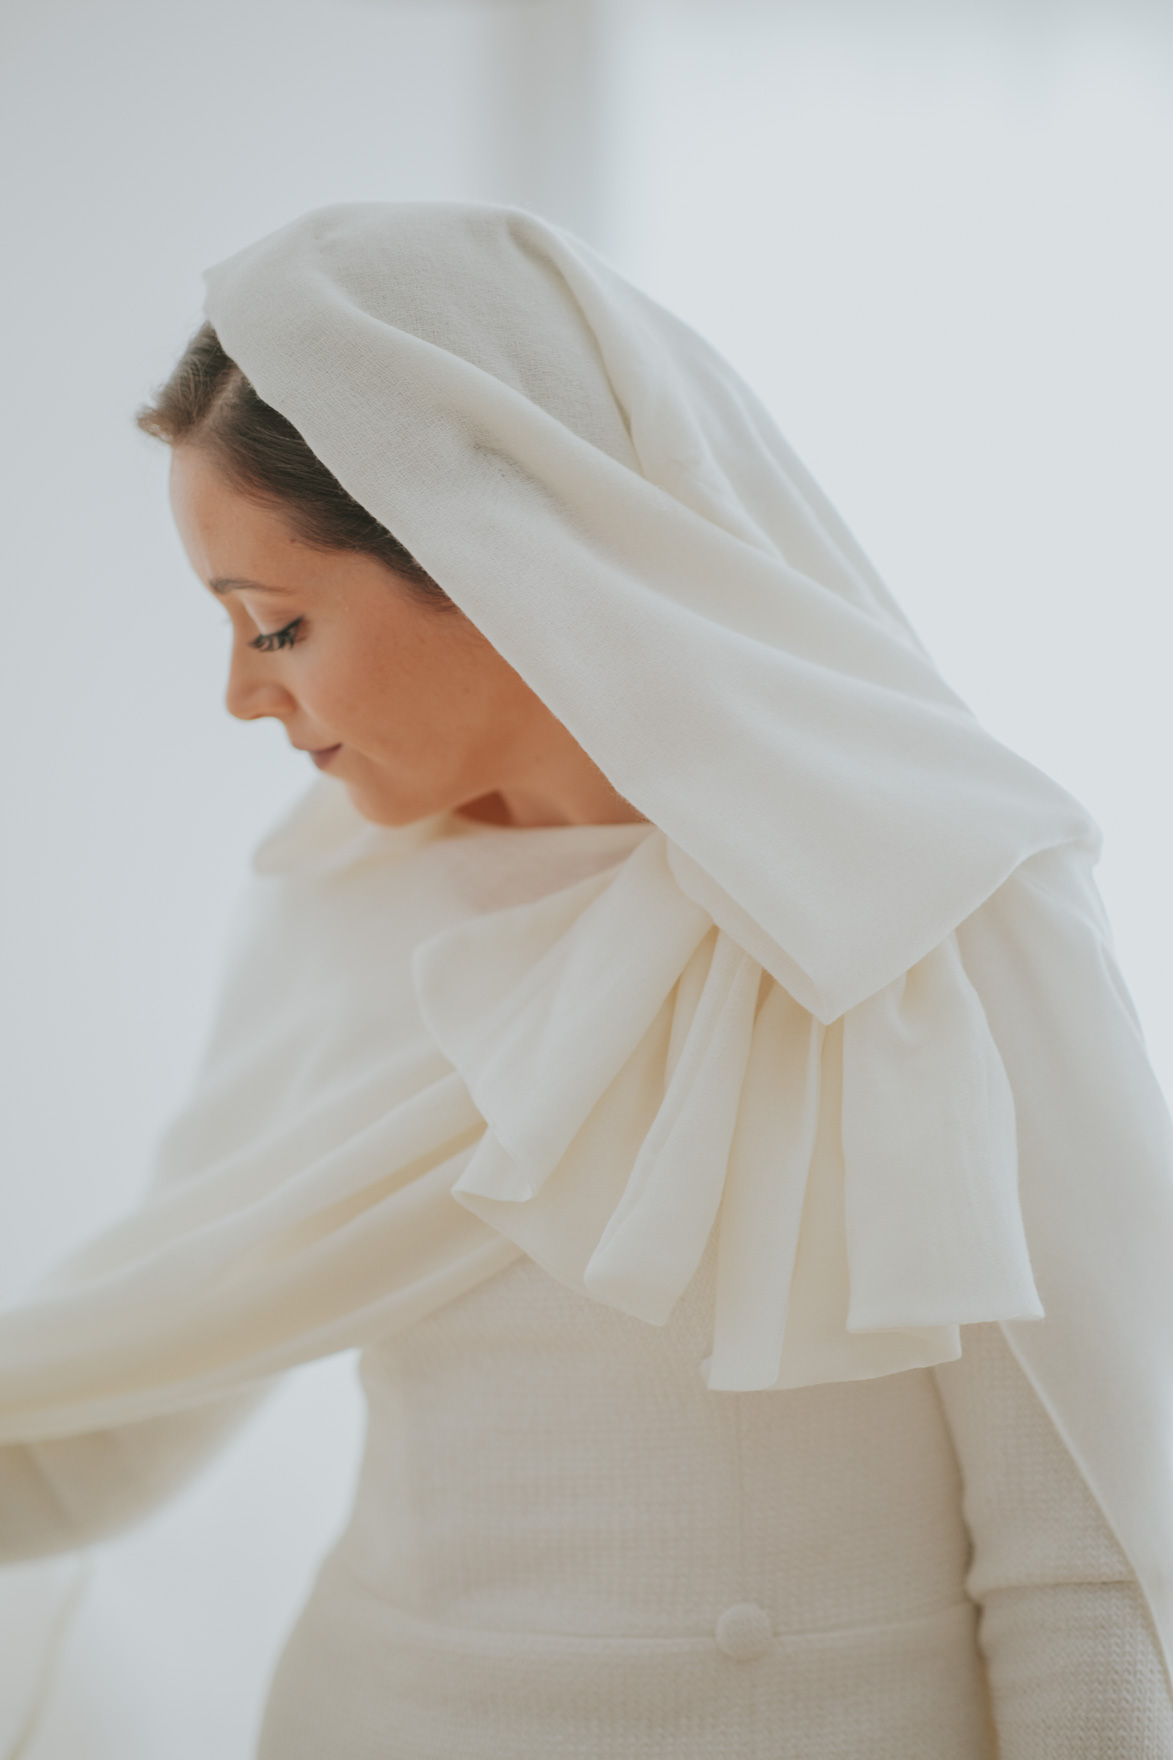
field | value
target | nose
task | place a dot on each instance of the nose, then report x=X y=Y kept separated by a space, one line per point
x=253 y=693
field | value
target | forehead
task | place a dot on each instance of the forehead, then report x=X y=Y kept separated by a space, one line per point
x=229 y=538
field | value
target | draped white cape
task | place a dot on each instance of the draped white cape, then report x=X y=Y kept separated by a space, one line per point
x=847 y=999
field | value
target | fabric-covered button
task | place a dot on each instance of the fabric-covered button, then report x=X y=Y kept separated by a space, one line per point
x=744 y=1632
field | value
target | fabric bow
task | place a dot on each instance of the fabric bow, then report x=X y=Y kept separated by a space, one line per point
x=645 y=1084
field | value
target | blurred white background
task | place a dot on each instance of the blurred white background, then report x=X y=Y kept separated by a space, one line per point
x=937 y=239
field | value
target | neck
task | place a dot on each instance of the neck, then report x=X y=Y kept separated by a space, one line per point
x=529 y=809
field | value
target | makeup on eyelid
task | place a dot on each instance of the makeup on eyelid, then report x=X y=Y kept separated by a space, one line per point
x=269 y=641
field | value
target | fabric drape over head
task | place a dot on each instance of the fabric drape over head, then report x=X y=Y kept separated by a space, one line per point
x=844 y=1007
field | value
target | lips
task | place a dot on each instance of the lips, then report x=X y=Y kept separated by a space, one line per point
x=325 y=755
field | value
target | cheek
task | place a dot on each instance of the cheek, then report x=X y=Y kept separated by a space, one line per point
x=431 y=701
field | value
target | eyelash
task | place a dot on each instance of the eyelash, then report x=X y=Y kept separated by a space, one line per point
x=277 y=638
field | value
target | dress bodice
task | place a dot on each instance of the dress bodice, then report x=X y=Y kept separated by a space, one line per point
x=564 y=1542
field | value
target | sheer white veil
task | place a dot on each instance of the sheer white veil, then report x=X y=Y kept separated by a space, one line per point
x=612 y=506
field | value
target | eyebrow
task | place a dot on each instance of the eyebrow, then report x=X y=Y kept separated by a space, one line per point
x=232 y=584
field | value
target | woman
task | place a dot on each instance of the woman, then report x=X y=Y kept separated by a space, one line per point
x=673 y=1040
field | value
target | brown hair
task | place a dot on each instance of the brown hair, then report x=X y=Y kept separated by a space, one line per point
x=208 y=402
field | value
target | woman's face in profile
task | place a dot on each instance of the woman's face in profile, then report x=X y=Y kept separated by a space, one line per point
x=405 y=702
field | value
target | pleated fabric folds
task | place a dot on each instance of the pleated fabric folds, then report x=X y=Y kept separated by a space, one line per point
x=639 y=1073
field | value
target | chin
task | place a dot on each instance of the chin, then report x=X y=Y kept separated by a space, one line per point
x=384 y=807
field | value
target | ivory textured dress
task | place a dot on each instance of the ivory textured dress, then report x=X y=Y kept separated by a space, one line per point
x=564 y=1542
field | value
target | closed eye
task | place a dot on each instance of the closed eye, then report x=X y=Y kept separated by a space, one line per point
x=277 y=638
